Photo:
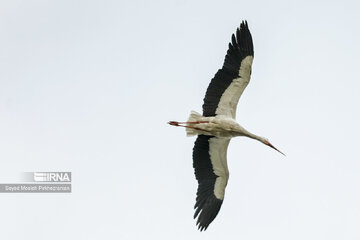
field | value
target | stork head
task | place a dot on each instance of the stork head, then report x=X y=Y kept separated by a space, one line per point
x=266 y=142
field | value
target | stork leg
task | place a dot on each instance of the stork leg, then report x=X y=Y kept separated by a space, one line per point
x=174 y=123
x=178 y=124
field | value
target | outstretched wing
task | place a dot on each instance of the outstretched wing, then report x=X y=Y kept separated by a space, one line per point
x=229 y=82
x=211 y=171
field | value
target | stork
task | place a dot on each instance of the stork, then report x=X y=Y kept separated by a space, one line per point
x=217 y=125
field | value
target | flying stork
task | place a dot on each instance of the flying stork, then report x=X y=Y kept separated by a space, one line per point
x=217 y=125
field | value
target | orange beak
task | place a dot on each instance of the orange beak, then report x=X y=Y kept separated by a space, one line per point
x=270 y=145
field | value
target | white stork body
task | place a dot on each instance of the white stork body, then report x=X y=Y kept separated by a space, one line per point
x=217 y=125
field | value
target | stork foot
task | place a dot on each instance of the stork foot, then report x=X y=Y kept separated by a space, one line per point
x=173 y=123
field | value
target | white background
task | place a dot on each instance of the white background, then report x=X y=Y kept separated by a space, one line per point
x=88 y=86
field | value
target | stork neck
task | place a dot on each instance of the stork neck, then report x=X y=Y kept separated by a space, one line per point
x=253 y=136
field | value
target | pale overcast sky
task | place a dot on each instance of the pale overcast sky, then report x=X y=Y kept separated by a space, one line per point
x=88 y=86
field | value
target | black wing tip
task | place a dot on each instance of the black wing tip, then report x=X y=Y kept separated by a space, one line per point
x=244 y=38
x=241 y=41
x=207 y=212
x=201 y=227
x=244 y=24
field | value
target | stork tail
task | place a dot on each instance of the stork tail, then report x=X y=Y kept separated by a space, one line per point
x=194 y=117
